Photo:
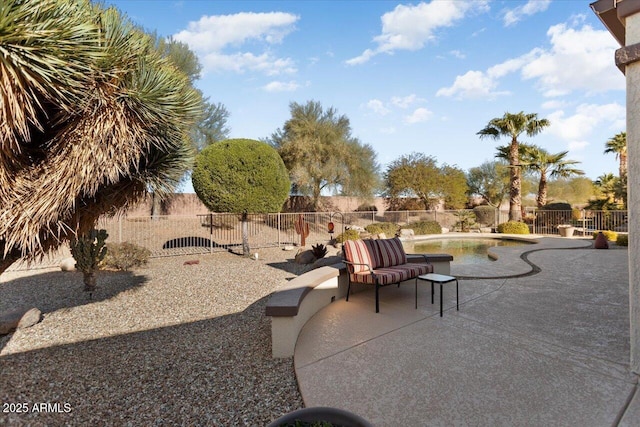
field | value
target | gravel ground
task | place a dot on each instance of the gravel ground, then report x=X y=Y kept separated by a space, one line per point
x=166 y=344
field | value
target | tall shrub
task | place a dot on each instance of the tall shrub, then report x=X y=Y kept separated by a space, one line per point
x=241 y=176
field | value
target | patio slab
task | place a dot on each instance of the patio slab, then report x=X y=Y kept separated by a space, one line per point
x=550 y=348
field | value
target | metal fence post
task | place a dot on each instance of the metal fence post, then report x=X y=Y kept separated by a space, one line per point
x=279 y=238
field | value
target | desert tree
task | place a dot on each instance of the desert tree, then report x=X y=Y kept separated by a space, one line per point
x=512 y=126
x=418 y=175
x=241 y=176
x=92 y=115
x=490 y=181
x=320 y=153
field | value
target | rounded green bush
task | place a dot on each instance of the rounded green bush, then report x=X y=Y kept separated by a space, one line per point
x=347 y=235
x=241 y=176
x=125 y=255
x=622 y=240
x=388 y=228
x=611 y=236
x=424 y=227
x=513 y=227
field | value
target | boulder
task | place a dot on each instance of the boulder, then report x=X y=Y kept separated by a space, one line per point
x=19 y=319
x=407 y=233
x=30 y=318
x=288 y=248
x=305 y=257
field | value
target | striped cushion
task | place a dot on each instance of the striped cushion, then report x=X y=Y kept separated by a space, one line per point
x=391 y=252
x=396 y=274
x=357 y=251
x=374 y=253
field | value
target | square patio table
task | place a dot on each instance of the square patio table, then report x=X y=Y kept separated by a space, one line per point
x=440 y=279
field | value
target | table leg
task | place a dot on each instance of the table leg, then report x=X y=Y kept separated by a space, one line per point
x=440 y=299
x=457 y=301
x=432 y=292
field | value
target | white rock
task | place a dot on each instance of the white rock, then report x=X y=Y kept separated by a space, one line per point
x=68 y=264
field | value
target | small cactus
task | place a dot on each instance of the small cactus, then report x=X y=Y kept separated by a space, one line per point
x=88 y=250
x=319 y=250
x=302 y=228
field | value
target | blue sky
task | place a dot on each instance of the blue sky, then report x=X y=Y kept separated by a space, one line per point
x=410 y=76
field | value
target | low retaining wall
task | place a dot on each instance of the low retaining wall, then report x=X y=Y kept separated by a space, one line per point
x=293 y=305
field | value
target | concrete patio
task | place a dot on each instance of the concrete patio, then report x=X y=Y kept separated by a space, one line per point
x=541 y=341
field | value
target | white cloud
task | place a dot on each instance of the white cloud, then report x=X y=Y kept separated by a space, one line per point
x=473 y=84
x=418 y=116
x=277 y=86
x=586 y=118
x=553 y=104
x=577 y=145
x=457 y=54
x=554 y=69
x=405 y=101
x=213 y=36
x=587 y=50
x=388 y=131
x=377 y=107
x=410 y=27
x=530 y=8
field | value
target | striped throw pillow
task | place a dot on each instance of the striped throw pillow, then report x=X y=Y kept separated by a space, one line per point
x=391 y=252
x=357 y=251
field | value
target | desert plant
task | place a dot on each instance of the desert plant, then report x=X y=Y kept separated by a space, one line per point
x=465 y=220
x=485 y=215
x=242 y=176
x=365 y=207
x=622 y=240
x=611 y=236
x=347 y=235
x=424 y=227
x=302 y=228
x=513 y=227
x=123 y=256
x=319 y=250
x=89 y=250
x=388 y=228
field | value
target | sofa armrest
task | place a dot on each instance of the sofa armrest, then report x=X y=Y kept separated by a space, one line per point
x=350 y=265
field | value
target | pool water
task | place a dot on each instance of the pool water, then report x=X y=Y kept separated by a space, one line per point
x=464 y=251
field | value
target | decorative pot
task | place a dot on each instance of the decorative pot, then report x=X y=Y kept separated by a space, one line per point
x=334 y=416
x=566 y=230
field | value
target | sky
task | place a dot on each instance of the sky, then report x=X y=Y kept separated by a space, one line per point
x=410 y=76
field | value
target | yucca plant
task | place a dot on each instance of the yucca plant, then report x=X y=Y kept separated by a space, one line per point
x=319 y=250
x=92 y=117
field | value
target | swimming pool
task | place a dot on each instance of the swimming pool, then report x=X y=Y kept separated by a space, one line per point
x=464 y=251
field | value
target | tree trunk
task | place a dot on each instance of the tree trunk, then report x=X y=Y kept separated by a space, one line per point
x=515 y=197
x=156 y=206
x=541 y=199
x=90 y=281
x=246 y=251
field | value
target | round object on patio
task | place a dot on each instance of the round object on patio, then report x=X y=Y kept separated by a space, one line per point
x=601 y=242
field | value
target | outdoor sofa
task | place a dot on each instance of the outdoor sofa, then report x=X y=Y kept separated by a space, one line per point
x=380 y=262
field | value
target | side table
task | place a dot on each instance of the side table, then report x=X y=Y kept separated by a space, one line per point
x=440 y=279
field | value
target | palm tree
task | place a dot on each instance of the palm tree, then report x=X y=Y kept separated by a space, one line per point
x=618 y=145
x=539 y=160
x=607 y=185
x=92 y=116
x=513 y=125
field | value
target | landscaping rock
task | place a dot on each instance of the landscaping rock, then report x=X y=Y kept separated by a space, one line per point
x=288 y=248
x=68 y=264
x=407 y=233
x=601 y=241
x=19 y=319
x=305 y=257
x=30 y=318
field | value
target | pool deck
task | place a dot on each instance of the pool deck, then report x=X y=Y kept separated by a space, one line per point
x=541 y=339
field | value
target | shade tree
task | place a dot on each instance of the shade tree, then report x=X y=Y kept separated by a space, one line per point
x=320 y=153
x=490 y=181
